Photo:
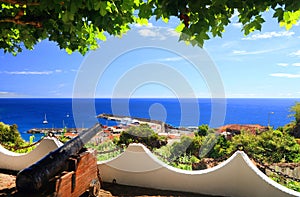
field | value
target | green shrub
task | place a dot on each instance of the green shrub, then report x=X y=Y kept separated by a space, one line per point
x=203 y=130
x=10 y=134
x=11 y=139
x=141 y=134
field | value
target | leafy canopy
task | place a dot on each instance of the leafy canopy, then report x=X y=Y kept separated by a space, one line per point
x=79 y=25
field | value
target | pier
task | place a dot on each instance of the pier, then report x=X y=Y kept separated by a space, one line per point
x=156 y=125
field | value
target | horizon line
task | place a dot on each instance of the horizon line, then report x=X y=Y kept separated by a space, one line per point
x=147 y=98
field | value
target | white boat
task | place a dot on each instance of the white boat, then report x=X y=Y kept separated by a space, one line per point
x=45 y=120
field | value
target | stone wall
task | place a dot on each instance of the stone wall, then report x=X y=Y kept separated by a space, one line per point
x=236 y=177
x=16 y=161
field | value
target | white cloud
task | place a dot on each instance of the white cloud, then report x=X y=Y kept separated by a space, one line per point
x=243 y=52
x=296 y=53
x=296 y=64
x=175 y=59
x=239 y=52
x=5 y=94
x=172 y=32
x=268 y=35
x=32 y=72
x=61 y=85
x=229 y=44
x=157 y=33
x=237 y=25
x=140 y=26
x=171 y=59
x=285 y=75
x=283 y=64
x=55 y=93
x=29 y=72
x=149 y=32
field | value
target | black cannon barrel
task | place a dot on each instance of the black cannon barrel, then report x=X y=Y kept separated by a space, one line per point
x=36 y=177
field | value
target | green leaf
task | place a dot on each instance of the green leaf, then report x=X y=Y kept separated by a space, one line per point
x=64 y=17
x=145 y=11
x=288 y=26
x=141 y=21
x=278 y=14
x=166 y=20
x=103 y=10
x=180 y=27
x=101 y=36
x=289 y=19
x=69 y=51
x=108 y=6
x=98 y=5
x=127 y=4
x=74 y=6
x=136 y=2
x=89 y=5
x=286 y=16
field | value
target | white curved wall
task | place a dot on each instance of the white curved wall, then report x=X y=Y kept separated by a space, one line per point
x=16 y=161
x=237 y=176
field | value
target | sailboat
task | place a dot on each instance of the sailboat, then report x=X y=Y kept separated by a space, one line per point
x=45 y=120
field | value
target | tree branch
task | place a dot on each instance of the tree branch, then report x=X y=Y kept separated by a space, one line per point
x=19 y=22
x=14 y=2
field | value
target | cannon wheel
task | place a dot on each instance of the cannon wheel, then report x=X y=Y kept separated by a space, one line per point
x=94 y=188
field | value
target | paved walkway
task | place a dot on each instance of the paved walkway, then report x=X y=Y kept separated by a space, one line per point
x=8 y=188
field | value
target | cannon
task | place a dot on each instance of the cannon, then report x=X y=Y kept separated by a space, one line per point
x=36 y=178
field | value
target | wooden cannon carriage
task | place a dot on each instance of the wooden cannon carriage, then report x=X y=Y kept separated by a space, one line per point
x=81 y=176
x=67 y=171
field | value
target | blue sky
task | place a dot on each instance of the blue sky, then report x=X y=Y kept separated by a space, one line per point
x=264 y=64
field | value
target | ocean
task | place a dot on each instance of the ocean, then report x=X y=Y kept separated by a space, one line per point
x=81 y=113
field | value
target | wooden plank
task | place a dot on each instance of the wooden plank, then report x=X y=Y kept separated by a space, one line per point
x=64 y=185
x=85 y=173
